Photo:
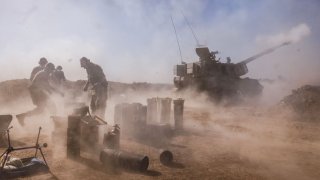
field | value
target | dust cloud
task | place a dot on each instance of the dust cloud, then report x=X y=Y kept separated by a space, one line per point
x=257 y=139
x=247 y=140
x=265 y=140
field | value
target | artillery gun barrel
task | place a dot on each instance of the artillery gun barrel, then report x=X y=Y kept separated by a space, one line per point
x=246 y=61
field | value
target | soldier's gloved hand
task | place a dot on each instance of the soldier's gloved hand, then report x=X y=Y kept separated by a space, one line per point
x=85 y=88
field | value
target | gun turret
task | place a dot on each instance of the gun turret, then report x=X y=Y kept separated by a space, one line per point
x=205 y=54
x=270 y=50
x=241 y=67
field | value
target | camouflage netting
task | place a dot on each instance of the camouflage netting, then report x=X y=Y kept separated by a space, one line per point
x=305 y=101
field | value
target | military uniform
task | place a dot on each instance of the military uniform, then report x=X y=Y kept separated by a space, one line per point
x=58 y=77
x=99 y=96
x=35 y=71
x=42 y=63
x=39 y=92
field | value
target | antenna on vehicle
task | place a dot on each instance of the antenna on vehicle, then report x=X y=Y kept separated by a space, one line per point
x=175 y=32
x=193 y=33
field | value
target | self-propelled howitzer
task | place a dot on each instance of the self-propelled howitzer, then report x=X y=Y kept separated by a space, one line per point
x=219 y=79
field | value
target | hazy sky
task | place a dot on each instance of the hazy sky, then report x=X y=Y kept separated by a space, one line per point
x=133 y=40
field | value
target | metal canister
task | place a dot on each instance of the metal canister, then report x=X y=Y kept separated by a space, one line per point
x=178 y=113
x=5 y=121
x=74 y=122
x=89 y=134
x=165 y=110
x=112 y=139
x=73 y=143
x=73 y=137
x=152 y=110
x=165 y=156
x=125 y=160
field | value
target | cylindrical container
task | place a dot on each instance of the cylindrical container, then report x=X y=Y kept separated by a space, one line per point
x=165 y=156
x=132 y=118
x=139 y=119
x=143 y=116
x=124 y=160
x=73 y=135
x=112 y=139
x=74 y=122
x=89 y=134
x=73 y=143
x=165 y=110
x=122 y=116
x=152 y=110
x=178 y=113
x=6 y=118
x=5 y=121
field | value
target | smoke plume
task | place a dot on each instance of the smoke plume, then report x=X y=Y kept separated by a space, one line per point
x=294 y=35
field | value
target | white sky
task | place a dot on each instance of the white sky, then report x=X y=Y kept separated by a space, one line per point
x=133 y=40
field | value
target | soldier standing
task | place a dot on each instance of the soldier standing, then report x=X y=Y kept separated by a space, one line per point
x=42 y=63
x=58 y=77
x=99 y=86
x=40 y=89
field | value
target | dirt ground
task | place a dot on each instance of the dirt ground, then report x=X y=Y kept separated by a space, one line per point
x=217 y=143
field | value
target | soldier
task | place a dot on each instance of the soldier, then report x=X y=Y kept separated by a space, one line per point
x=58 y=76
x=40 y=89
x=99 y=84
x=42 y=63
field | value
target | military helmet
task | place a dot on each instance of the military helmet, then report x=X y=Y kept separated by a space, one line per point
x=49 y=67
x=84 y=59
x=84 y=62
x=43 y=61
x=59 y=68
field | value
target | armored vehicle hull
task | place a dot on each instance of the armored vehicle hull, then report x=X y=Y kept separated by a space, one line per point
x=223 y=87
x=219 y=80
